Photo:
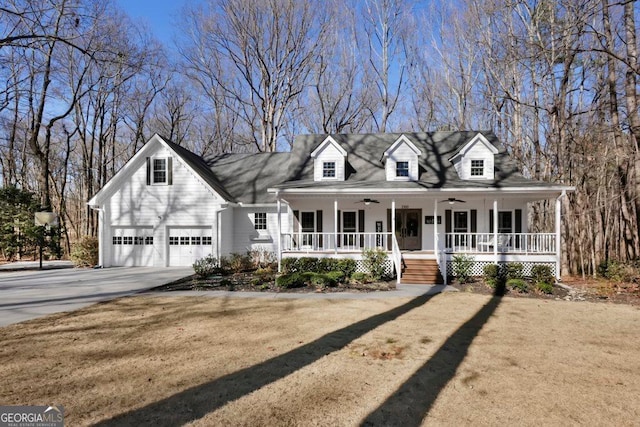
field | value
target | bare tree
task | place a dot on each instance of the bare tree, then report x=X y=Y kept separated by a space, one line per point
x=258 y=56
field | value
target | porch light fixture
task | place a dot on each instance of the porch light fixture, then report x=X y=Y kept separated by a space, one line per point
x=368 y=201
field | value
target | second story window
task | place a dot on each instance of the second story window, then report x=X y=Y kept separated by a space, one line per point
x=329 y=169
x=477 y=167
x=402 y=169
x=159 y=171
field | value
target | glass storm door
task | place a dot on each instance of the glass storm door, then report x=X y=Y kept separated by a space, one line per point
x=408 y=228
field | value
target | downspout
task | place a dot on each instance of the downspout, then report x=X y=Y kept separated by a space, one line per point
x=558 y=222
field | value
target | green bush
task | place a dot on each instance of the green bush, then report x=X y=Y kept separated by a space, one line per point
x=375 y=261
x=491 y=275
x=359 y=276
x=308 y=264
x=347 y=266
x=618 y=271
x=541 y=274
x=462 y=265
x=85 y=252
x=335 y=276
x=513 y=270
x=205 y=267
x=544 y=287
x=291 y=280
x=519 y=285
x=289 y=265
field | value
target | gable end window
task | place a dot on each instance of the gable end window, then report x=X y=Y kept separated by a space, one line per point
x=159 y=171
x=329 y=169
x=260 y=220
x=477 y=167
x=402 y=169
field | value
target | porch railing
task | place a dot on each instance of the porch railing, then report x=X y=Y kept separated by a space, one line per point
x=515 y=243
x=346 y=242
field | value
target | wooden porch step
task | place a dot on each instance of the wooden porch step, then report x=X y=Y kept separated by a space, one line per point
x=421 y=271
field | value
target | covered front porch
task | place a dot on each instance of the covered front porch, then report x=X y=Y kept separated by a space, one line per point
x=490 y=226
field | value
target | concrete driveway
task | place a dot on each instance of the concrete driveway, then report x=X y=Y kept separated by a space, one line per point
x=29 y=294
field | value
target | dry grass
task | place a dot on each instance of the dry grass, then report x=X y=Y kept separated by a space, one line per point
x=454 y=359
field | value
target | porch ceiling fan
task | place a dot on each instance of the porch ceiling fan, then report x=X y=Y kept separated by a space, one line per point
x=368 y=201
x=452 y=200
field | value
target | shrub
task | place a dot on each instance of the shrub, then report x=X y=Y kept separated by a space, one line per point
x=335 y=276
x=289 y=265
x=519 y=285
x=541 y=274
x=85 y=252
x=359 y=276
x=239 y=262
x=205 y=267
x=291 y=280
x=513 y=270
x=619 y=271
x=347 y=266
x=262 y=258
x=491 y=275
x=375 y=261
x=462 y=265
x=544 y=287
x=307 y=264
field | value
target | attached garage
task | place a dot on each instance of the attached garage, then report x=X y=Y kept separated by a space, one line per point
x=132 y=246
x=187 y=244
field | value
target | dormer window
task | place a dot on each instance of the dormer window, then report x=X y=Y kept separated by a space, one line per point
x=477 y=168
x=329 y=169
x=402 y=169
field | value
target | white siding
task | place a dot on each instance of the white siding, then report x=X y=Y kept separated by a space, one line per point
x=329 y=153
x=402 y=153
x=188 y=202
x=246 y=237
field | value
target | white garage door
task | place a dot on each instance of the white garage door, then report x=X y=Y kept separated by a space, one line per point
x=132 y=246
x=188 y=244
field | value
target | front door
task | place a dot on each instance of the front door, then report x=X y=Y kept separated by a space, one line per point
x=408 y=228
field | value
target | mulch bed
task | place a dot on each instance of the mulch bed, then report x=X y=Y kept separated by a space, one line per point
x=572 y=288
x=243 y=282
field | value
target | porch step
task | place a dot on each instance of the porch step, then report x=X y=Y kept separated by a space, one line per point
x=421 y=271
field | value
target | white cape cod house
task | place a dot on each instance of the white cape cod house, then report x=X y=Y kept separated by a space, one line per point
x=422 y=197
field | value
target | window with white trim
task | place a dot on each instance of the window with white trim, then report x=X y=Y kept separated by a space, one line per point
x=402 y=169
x=159 y=171
x=329 y=169
x=260 y=220
x=477 y=167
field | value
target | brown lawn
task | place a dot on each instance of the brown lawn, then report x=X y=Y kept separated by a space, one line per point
x=455 y=358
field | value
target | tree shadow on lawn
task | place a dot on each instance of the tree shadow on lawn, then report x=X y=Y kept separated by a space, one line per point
x=196 y=402
x=412 y=401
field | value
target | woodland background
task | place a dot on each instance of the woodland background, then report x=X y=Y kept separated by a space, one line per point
x=82 y=88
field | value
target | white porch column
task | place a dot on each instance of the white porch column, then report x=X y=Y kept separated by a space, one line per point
x=495 y=230
x=393 y=218
x=279 y=213
x=435 y=230
x=335 y=226
x=101 y=237
x=558 y=223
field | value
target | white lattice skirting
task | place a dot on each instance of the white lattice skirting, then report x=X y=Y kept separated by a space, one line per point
x=478 y=267
x=388 y=267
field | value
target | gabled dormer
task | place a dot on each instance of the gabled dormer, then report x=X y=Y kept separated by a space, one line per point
x=401 y=160
x=329 y=161
x=475 y=160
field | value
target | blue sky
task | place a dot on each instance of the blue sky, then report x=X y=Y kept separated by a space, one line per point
x=158 y=14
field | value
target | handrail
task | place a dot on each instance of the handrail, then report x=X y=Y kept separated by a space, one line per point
x=346 y=242
x=519 y=243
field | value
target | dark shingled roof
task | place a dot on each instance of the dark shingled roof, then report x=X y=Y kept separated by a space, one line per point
x=246 y=177
x=366 y=167
x=239 y=177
